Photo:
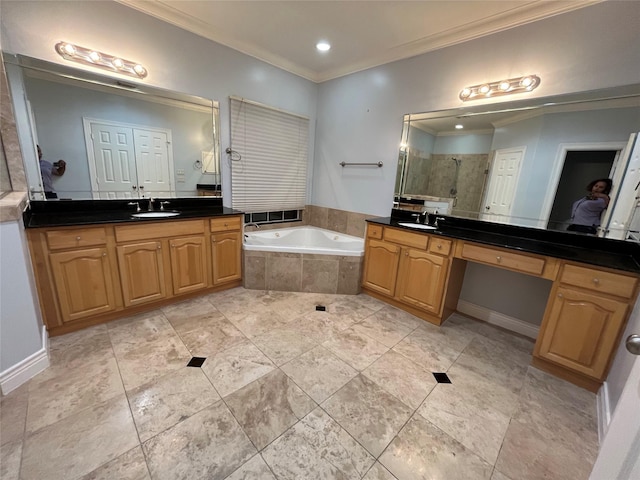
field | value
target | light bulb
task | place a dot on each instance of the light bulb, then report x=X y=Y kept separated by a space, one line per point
x=459 y=126
x=504 y=86
x=69 y=49
x=484 y=89
x=465 y=92
x=323 y=46
x=118 y=63
x=526 y=81
x=140 y=70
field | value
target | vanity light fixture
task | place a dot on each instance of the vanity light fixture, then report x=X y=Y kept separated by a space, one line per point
x=503 y=87
x=94 y=58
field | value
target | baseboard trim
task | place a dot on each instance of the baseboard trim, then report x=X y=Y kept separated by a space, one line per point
x=498 y=319
x=28 y=368
x=603 y=409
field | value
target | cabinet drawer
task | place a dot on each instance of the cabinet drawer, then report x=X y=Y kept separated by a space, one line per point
x=152 y=231
x=223 y=224
x=440 y=246
x=417 y=240
x=599 y=281
x=81 y=237
x=374 y=231
x=501 y=258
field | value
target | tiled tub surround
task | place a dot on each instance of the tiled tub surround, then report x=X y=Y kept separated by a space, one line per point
x=290 y=393
x=307 y=272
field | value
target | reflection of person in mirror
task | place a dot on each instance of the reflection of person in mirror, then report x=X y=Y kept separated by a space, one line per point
x=47 y=170
x=586 y=211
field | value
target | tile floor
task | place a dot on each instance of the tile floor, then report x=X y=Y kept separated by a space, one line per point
x=289 y=393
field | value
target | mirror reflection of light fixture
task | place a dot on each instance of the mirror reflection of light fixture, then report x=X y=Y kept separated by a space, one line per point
x=503 y=87
x=105 y=61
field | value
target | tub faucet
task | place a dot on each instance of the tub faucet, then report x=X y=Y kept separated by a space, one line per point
x=249 y=224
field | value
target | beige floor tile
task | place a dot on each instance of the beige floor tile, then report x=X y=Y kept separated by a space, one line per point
x=180 y=313
x=128 y=466
x=254 y=469
x=13 y=414
x=371 y=415
x=10 y=454
x=461 y=412
x=209 y=445
x=213 y=335
x=52 y=399
x=317 y=448
x=75 y=349
x=283 y=344
x=268 y=406
x=152 y=360
x=80 y=443
x=499 y=476
x=127 y=334
x=401 y=377
x=258 y=322
x=319 y=373
x=320 y=326
x=378 y=472
x=429 y=350
x=493 y=332
x=167 y=400
x=422 y=451
x=355 y=348
x=348 y=309
x=387 y=326
x=236 y=367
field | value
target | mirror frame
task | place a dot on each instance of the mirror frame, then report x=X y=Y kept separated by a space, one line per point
x=111 y=85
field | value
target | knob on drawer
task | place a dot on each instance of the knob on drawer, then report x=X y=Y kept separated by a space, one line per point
x=498 y=258
x=596 y=281
x=78 y=238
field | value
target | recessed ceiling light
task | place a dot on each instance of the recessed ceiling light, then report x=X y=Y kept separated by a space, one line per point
x=323 y=46
x=459 y=126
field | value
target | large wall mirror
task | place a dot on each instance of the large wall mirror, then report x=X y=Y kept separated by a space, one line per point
x=119 y=139
x=525 y=162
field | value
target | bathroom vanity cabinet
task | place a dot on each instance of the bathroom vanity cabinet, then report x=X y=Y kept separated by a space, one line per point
x=586 y=312
x=89 y=275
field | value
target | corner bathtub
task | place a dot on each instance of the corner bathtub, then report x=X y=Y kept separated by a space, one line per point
x=302 y=259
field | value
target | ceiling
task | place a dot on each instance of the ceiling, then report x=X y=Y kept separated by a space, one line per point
x=362 y=34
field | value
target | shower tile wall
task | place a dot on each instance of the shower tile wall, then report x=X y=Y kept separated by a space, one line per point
x=418 y=172
x=470 y=184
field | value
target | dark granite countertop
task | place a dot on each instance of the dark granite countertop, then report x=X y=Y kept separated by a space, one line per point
x=61 y=213
x=602 y=252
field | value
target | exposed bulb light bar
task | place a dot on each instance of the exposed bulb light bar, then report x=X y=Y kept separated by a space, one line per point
x=79 y=54
x=503 y=87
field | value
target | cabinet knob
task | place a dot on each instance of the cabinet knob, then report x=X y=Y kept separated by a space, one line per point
x=173 y=245
x=78 y=238
x=104 y=254
x=596 y=281
x=159 y=246
x=498 y=258
x=560 y=295
x=439 y=247
x=406 y=254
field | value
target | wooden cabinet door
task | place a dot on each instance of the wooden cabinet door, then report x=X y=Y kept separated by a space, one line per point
x=580 y=331
x=188 y=264
x=226 y=249
x=141 y=272
x=421 y=279
x=83 y=282
x=381 y=266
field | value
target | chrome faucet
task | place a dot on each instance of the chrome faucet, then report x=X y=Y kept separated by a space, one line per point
x=249 y=224
x=151 y=200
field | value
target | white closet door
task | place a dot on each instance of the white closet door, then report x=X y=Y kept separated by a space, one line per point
x=115 y=164
x=152 y=160
x=503 y=181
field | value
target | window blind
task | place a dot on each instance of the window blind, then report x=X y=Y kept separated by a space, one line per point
x=270 y=172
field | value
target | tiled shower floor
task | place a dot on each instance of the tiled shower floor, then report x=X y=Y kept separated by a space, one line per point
x=288 y=392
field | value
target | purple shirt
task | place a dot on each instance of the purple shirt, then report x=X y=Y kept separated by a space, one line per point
x=587 y=212
x=46 y=170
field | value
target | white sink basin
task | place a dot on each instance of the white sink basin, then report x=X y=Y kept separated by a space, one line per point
x=419 y=226
x=155 y=214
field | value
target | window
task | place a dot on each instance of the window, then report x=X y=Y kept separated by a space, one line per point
x=269 y=150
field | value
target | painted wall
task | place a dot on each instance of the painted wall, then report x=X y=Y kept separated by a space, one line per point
x=20 y=320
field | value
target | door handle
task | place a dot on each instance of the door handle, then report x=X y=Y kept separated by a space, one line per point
x=633 y=344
